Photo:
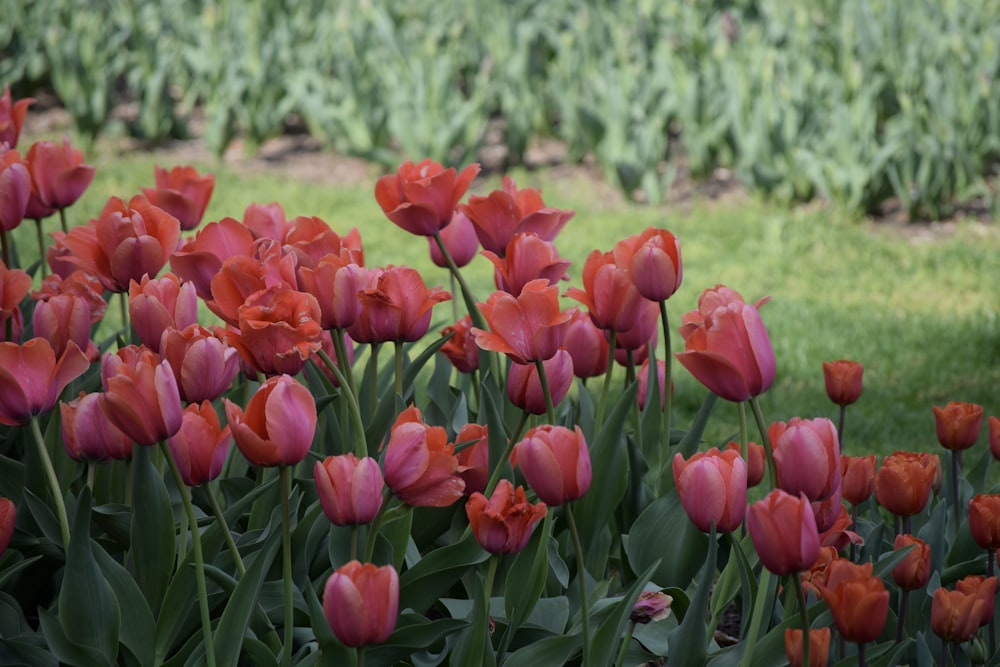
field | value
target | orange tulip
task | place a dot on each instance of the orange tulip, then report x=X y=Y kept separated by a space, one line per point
x=420 y=465
x=814 y=578
x=201 y=258
x=958 y=424
x=914 y=570
x=182 y=192
x=984 y=588
x=242 y=276
x=528 y=327
x=421 y=198
x=984 y=520
x=858 y=600
x=503 y=523
x=278 y=330
x=783 y=530
x=31 y=378
x=361 y=602
x=611 y=298
x=819 y=647
x=461 y=348
x=712 y=487
x=555 y=461
x=311 y=239
x=843 y=380
x=903 y=483
x=955 y=615
x=509 y=211
x=857 y=477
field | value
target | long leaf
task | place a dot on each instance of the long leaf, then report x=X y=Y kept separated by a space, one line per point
x=425 y=582
x=153 y=533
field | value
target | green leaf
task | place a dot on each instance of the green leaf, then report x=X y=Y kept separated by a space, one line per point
x=680 y=550
x=413 y=633
x=689 y=640
x=44 y=517
x=153 y=534
x=549 y=651
x=532 y=567
x=689 y=443
x=606 y=640
x=334 y=653
x=137 y=623
x=421 y=585
x=68 y=652
x=473 y=646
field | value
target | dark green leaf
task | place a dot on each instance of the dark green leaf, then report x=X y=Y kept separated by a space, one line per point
x=680 y=550
x=153 y=534
x=421 y=585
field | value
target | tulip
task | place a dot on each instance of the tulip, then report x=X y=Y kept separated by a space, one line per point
x=815 y=577
x=87 y=433
x=278 y=331
x=843 y=380
x=459 y=239
x=783 y=530
x=461 y=349
x=994 y=428
x=420 y=465
x=754 y=458
x=201 y=258
x=200 y=447
x=349 y=488
x=712 y=487
x=203 y=366
x=828 y=511
x=335 y=281
x=310 y=239
x=632 y=345
x=8 y=518
x=609 y=294
x=857 y=477
x=524 y=386
x=15 y=189
x=31 y=378
x=503 y=523
x=555 y=461
x=858 y=600
x=421 y=198
x=819 y=647
x=182 y=192
x=984 y=588
x=955 y=615
x=528 y=257
x=266 y=221
x=12 y=117
x=958 y=424
x=242 y=276
x=64 y=318
x=14 y=286
x=395 y=306
x=914 y=571
x=587 y=345
x=650 y=607
x=474 y=457
x=834 y=515
x=59 y=175
x=278 y=425
x=661 y=377
x=528 y=327
x=806 y=456
x=653 y=261
x=361 y=603
x=726 y=346
x=984 y=520
x=140 y=395
x=509 y=211
x=903 y=483
x=155 y=305
x=77 y=284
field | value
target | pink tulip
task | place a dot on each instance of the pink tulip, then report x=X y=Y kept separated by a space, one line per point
x=200 y=447
x=349 y=489
x=140 y=395
x=155 y=305
x=203 y=365
x=31 y=378
x=183 y=193
x=87 y=433
x=421 y=198
x=278 y=425
x=712 y=487
x=361 y=603
x=420 y=465
x=555 y=461
x=807 y=456
x=524 y=386
x=783 y=530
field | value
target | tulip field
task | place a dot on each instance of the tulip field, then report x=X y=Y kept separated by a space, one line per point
x=449 y=416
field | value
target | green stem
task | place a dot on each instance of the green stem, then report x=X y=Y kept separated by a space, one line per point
x=375 y=525
x=803 y=606
x=765 y=440
x=607 y=383
x=399 y=369
x=123 y=310
x=625 y=642
x=956 y=509
x=470 y=300
x=761 y=609
x=53 y=480
x=226 y=533
x=40 y=237
x=284 y=480
x=199 y=561
x=5 y=248
x=668 y=358
x=495 y=475
x=343 y=360
x=62 y=221
x=550 y=411
x=355 y=529
x=741 y=409
x=360 y=446
x=373 y=375
x=581 y=576
x=840 y=427
x=904 y=597
x=491 y=572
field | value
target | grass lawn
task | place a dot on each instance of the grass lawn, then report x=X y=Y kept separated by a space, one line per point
x=919 y=310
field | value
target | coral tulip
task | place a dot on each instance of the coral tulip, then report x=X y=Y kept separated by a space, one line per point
x=474 y=458
x=12 y=116
x=155 y=305
x=361 y=603
x=661 y=382
x=266 y=221
x=335 y=281
x=984 y=588
x=502 y=524
x=834 y=515
x=754 y=458
x=819 y=647
x=31 y=377
x=528 y=327
x=421 y=198
x=857 y=477
x=395 y=306
x=783 y=530
x=587 y=345
x=278 y=330
x=815 y=577
x=712 y=487
x=858 y=600
x=15 y=189
x=459 y=239
x=203 y=365
x=243 y=276
x=509 y=211
x=524 y=386
x=87 y=433
x=461 y=349
x=200 y=446
x=609 y=294
x=59 y=175
x=555 y=461
x=349 y=488
x=984 y=520
x=140 y=395
x=806 y=456
x=420 y=465
x=14 y=286
x=310 y=239
x=843 y=380
x=64 y=318
x=726 y=346
x=955 y=615
x=201 y=258
x=903 y=483
x=528 y=257
x=278 y=425
x=914 y=571
x=958 y=424
x=182 y=192
x=653 y=261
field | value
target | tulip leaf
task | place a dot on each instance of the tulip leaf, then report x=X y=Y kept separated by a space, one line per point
x=532 y=566
x=496 y=433
x=11 y=478
x=421 y=585
x=680 y=550
x=137 y=623
x=688 y=641
x=8 y=573
x=66 y=651
x=555 y=650
x=153 y=534
x=16 y=651
x=605 y=641
x=334 y=653
x=413 y=632
x=42 y=513
x=473 y=646
x=689 y=442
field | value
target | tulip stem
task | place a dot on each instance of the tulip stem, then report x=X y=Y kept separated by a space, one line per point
x=804 y=607
x=862 y=662
x=667 y=398
x=993 y=621
x=62 y=220
x=360 y=446
x=956 y=464
x=607 y=382
x=581 y=576
x=904 y=598
x=123 y=310
x=40 y=237
x=762 y=607
x=5 y=250
x=744 y=432
x=620 y=660
x=226 y=533
x=199 y=562
x=53 y=480
x=840 y=427
x=284 y=477
x=550 y=411
x=495 y=475
x=343 y=361
x=470 y=300
x=399 y=368
x=765 y=440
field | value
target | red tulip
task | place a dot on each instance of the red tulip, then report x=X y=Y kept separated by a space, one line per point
x=555 y=461
x=712 y=487
x=815 y=577
x=200 y=447
x=266 y=221
x=914 y=571
x=361 y=603
x=958 y=424
x=79 y=284
x=783 y=530
x=653 y=261
x=754 y=458
x=528 y=327
x=242 y=276
x=955 y=615
x=278 y=425
x=857 y=477
x=587 y=345
x=528 y=257
x=459 y=238
x=395 y=306
x=503 y=523
x=203 y=366
x=903 y=483
x=335 y=281
x=8 y=518
x=819 y=647
x=140 y=395
x=278 y=331
x=87 y=433
x=31 y=378
x=12 y=117
x=858 y=600
x=994 y=427
x=421 y=198
x=420 y=465
x=127 y=242
x=310 y=239
x=609 y=294
x=64 y=318
x=984 y=520
x=843 y=380
x=461 y=349
x=155 y=305
x=806 y=456
x=524 y=386
x=183 y=193
x=726 y=346
x=14 y=286
x=349 y=489
x=201 y=258
x=15 y=189
x=59 y=175
x=474 y=459
x=984 y=588
x=509 y=211
x=832 y=514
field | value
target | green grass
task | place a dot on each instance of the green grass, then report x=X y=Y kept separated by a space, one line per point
x=921 y=316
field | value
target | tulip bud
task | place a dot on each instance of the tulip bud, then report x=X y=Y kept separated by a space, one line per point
x=87 y=433
x=201 y=446
x=349 y=488
x=524 y=386
x=420 y=465
x=783 y=530
x=843 y=380
x=914 y=570
x=958 y=424
x=819 y=647
x=503 y=523
x=858 y=477
x=361 y=603
x=278 y=425
x=555 y=461
x=712 y=487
